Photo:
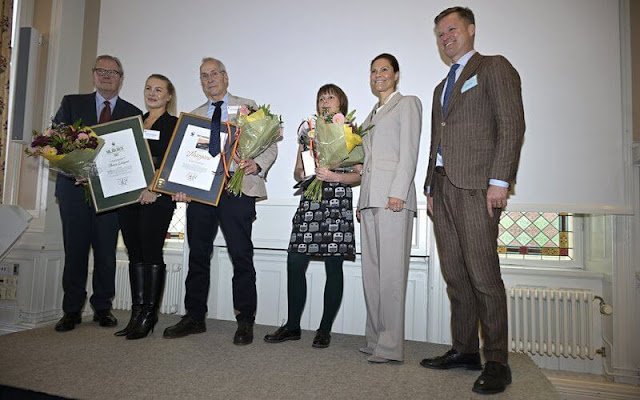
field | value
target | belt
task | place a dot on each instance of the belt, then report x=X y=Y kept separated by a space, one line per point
x=440 y=170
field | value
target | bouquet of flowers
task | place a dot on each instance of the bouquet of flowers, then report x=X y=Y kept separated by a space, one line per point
x=257 y=130
x=335 y=142
x=71 y=149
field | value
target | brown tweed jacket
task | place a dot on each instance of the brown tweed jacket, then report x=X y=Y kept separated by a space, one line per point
x=481 y=134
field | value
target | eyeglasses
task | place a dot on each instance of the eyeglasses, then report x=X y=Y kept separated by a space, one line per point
x=107 y=72
x=213 y=75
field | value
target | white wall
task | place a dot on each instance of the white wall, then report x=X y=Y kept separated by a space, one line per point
x=280 y=52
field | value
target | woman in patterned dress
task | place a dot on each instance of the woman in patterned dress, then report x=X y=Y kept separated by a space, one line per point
x=320 y=230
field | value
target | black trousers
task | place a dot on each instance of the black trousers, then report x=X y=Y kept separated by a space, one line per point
x=144 y=229
x=235 y=216
x=83 y=229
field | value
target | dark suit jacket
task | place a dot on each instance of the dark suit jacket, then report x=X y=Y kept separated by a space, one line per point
x=83 y=106
x=481 y=134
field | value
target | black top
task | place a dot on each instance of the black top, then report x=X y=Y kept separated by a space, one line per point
x=165 y=124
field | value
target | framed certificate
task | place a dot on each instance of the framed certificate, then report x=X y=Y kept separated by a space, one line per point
x=123 y=165
x=187 y=165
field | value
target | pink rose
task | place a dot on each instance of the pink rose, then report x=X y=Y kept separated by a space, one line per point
x=244 y=110
x=83 y=136
x=49 y=150
x=338 y=118
x=48 y=133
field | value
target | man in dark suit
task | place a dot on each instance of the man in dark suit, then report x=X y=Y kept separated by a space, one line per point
x=82 y=228
x=476 y=134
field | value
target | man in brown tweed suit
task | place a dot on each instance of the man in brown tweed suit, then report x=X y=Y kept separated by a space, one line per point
x=476 y=135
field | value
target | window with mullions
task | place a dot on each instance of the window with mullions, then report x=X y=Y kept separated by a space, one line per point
x=536 y=236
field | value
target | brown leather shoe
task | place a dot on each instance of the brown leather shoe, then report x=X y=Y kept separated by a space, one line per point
x=322 y=339
x=453 y=359
x=68 y=322
x=494 y=378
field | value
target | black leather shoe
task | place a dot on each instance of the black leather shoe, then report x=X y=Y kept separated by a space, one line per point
x=453 y=359
x=105 y=318
x=68 y=322
x=282 y=334
x=244 y=334
x=186 y=326
x=494 y=378
x=322 y=339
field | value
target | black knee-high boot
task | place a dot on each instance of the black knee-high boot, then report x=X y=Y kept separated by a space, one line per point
x=136 y=279
x=153 y=290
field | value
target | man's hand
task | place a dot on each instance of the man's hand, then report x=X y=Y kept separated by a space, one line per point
x=180 y=196
x=147 y=197
x=430 y=204
x=496 y=198
x=395 y=204
x=358 y=213
x=249 y=166
x=81 y=181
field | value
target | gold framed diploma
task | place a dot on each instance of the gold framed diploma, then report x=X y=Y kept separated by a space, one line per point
x=123 y=165
x=188 y=167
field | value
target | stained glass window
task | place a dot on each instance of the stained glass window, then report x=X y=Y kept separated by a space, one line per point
x=535 y=235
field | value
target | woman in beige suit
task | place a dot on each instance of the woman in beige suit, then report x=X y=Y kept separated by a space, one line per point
x=386 y=209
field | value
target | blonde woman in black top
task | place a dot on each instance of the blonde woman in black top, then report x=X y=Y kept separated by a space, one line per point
x=144 y=225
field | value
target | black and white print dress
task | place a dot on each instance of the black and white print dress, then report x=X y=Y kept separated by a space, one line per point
x=325 y=228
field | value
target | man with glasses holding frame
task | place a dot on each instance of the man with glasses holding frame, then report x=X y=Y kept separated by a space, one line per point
x=234 y=215
x=82 y=228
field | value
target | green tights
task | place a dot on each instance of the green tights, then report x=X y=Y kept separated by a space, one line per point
x=297 y=264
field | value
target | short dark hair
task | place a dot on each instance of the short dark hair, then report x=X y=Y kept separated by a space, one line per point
x=335 y=90
x=464 y=12
x=171 y=104
x=392 y=60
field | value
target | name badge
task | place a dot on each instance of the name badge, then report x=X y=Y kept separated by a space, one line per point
x=470 y=83
x=308 y=163
x=151 y=134
x=233 y=109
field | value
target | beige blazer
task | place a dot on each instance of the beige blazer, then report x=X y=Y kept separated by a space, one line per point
x=252 y=185
x=481 y=134
x=391 y=153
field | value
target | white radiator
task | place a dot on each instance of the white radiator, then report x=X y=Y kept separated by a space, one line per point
x=173 y=289
x=553 y=322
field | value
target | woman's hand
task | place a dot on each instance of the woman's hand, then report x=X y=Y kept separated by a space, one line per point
x=395 y=205
x=325 y=175
x=250 y=167
x=147 y=197
x=180 y=196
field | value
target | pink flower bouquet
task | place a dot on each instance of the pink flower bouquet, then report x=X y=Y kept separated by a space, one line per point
x=70 y=149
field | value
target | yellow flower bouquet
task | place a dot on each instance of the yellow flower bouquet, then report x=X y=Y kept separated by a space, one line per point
x=257 y=130
x=336 y=142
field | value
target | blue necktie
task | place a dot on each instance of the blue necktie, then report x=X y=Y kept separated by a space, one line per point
x=214 y=138
x=451 y=81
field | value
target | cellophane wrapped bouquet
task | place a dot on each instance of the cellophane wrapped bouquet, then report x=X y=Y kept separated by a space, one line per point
x=335 y=141
x=257 y=131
